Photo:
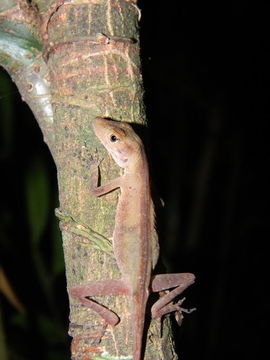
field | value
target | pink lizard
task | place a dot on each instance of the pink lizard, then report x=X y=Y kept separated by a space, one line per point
x=135 y=242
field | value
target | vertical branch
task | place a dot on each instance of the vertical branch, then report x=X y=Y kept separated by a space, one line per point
x=92 y=52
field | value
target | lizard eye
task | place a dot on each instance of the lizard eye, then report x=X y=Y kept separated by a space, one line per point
x=113 y=138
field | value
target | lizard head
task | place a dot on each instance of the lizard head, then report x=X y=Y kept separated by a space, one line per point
x=119 y=139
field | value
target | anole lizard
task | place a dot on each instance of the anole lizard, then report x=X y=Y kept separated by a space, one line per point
x=135 y=242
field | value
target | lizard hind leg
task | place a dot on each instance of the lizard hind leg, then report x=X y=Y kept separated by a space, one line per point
x=165 y=305
x=98 y=288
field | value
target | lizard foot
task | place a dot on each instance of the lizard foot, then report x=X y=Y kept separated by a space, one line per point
x=179 y=310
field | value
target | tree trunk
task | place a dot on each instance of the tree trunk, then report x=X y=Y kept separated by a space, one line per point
x=73 y=61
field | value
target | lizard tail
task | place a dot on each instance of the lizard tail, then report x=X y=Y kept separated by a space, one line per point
x=139 y=305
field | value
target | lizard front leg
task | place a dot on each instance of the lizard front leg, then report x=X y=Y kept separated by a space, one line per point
x=105 y=188
x=167 y=281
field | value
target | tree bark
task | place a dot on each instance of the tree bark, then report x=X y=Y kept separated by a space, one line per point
x=73 y=61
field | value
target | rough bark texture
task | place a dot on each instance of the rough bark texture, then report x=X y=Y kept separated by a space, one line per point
x=82 y=60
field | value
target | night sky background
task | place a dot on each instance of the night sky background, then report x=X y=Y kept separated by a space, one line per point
x=206 y=77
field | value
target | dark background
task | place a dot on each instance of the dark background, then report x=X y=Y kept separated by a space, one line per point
x=206 y=77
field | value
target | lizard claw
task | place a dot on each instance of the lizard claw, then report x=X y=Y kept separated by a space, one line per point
x=179 y=310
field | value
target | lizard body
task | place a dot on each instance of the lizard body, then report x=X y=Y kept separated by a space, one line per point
x=135 y=242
